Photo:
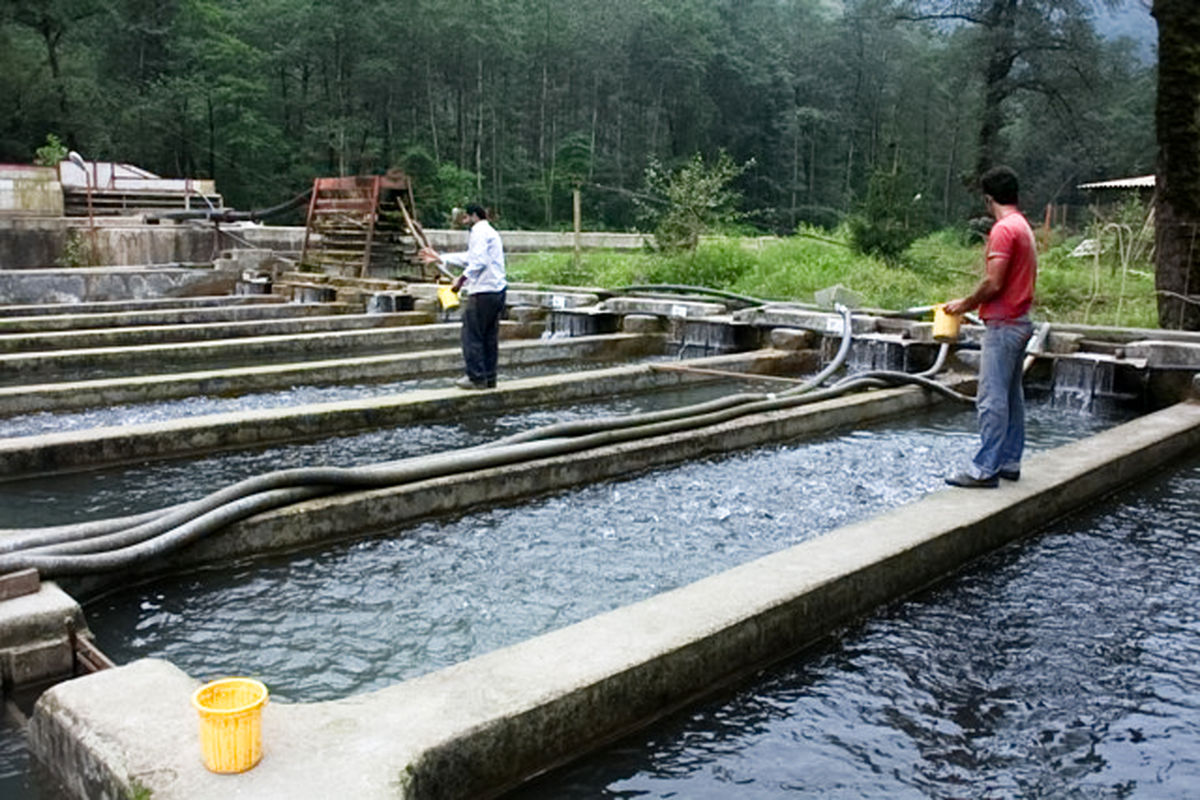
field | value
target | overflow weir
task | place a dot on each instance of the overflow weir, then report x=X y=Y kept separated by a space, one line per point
x=488 y=723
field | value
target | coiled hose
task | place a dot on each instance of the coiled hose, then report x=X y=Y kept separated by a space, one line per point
x=117 y=543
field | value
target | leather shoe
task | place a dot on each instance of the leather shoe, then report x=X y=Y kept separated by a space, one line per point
x=967 y=481
x=1010 y=474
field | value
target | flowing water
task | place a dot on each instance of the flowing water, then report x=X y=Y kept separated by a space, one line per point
x=444 y=591
x=118 y=491
x=1065 y=666
x=43 y=422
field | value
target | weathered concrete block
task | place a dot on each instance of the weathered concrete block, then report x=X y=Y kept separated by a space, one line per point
x=792 y=339
x=34 y=635
x=838 y=294
x=38 y=661
x=30 y=190
x=665 y=308
x=525 y=314
x=642 y=323
x=1165 y=354
x=44 y=614
x=1063 y=343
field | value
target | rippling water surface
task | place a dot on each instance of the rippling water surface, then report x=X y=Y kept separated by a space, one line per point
x=360 y=616
x=129 y=490
x=356 y=617
x=141 y=413
x=1067 y=666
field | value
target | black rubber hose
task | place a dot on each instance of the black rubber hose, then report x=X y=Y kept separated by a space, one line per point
x=265 y=492
x=581 y=427
x=746 y=300
x=110 y=544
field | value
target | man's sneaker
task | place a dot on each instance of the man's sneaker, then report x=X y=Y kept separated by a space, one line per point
x=468 y=384
x=1010 y=474
x=967 y=481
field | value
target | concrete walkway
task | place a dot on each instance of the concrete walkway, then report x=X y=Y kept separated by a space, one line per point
x=73 y=320
x=149 y=304
x=141 y=335
x=71 y=395
x=29 y=456
x=126 y=360
x=482 y=725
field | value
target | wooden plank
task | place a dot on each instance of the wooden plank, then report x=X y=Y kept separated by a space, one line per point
x=20 y=583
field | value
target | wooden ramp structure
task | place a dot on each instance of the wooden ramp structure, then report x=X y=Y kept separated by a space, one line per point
x=362 y=226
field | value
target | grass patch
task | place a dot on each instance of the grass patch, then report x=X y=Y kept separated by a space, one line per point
x=935 y=268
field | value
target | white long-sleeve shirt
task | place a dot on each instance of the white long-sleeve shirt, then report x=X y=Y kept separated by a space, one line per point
x=483 y=261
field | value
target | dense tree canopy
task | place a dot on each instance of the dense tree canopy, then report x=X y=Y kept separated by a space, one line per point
x=516 y=101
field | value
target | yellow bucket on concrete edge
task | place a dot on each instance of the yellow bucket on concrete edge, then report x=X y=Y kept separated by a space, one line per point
x=447 y=296
x=945 y=326
x=231 y=723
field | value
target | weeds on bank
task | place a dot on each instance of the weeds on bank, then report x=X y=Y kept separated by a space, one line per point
x=940 y=266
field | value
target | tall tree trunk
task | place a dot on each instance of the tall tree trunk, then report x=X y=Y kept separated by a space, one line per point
x=433 y=127
x=795 y=169
x=1000 y=29
x=543 y=158
x=51 y=35
x=1177 y=205
x=479 y=133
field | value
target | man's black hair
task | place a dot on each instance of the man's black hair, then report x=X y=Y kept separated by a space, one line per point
x=476 y=210
x=1001 y=184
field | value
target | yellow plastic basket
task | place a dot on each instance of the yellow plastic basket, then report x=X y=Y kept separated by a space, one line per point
x=231 y=723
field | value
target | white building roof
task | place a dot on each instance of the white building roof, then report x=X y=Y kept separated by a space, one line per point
x=1140 y=182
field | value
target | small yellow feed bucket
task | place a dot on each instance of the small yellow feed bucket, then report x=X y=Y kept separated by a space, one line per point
x=447 y=296
x=945 y=326
x=231 y=723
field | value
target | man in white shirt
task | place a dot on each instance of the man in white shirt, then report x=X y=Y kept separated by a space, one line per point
x=483 y=276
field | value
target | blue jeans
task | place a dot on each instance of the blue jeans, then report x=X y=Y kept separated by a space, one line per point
x=1000 y=400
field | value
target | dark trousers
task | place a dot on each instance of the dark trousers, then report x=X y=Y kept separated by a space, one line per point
x=481 y=335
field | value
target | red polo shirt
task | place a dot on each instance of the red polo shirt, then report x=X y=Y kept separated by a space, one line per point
x=1012 y=238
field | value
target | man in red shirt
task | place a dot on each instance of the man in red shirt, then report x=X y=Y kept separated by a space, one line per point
x=1003 y=298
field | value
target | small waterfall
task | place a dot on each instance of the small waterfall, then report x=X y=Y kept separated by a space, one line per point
x=708 y=337
x=389 y=302
x=1078 y=383
x=253 y=283
x=563 y=323
x=871 y=353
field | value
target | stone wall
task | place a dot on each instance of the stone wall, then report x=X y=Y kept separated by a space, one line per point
x=93 y=284
x=26 y=190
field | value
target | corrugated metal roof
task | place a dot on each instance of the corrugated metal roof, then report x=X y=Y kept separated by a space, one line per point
x=1140 y=182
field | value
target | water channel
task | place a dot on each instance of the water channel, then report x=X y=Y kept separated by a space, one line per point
x=1064 y=666
x=445 y=591
x=42 y=422
x=117 y=491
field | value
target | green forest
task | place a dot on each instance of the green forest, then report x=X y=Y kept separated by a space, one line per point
x=818 y=108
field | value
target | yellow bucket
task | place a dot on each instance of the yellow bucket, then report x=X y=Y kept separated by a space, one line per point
x=231 y=723
x=447 y=296
x=945 y=326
